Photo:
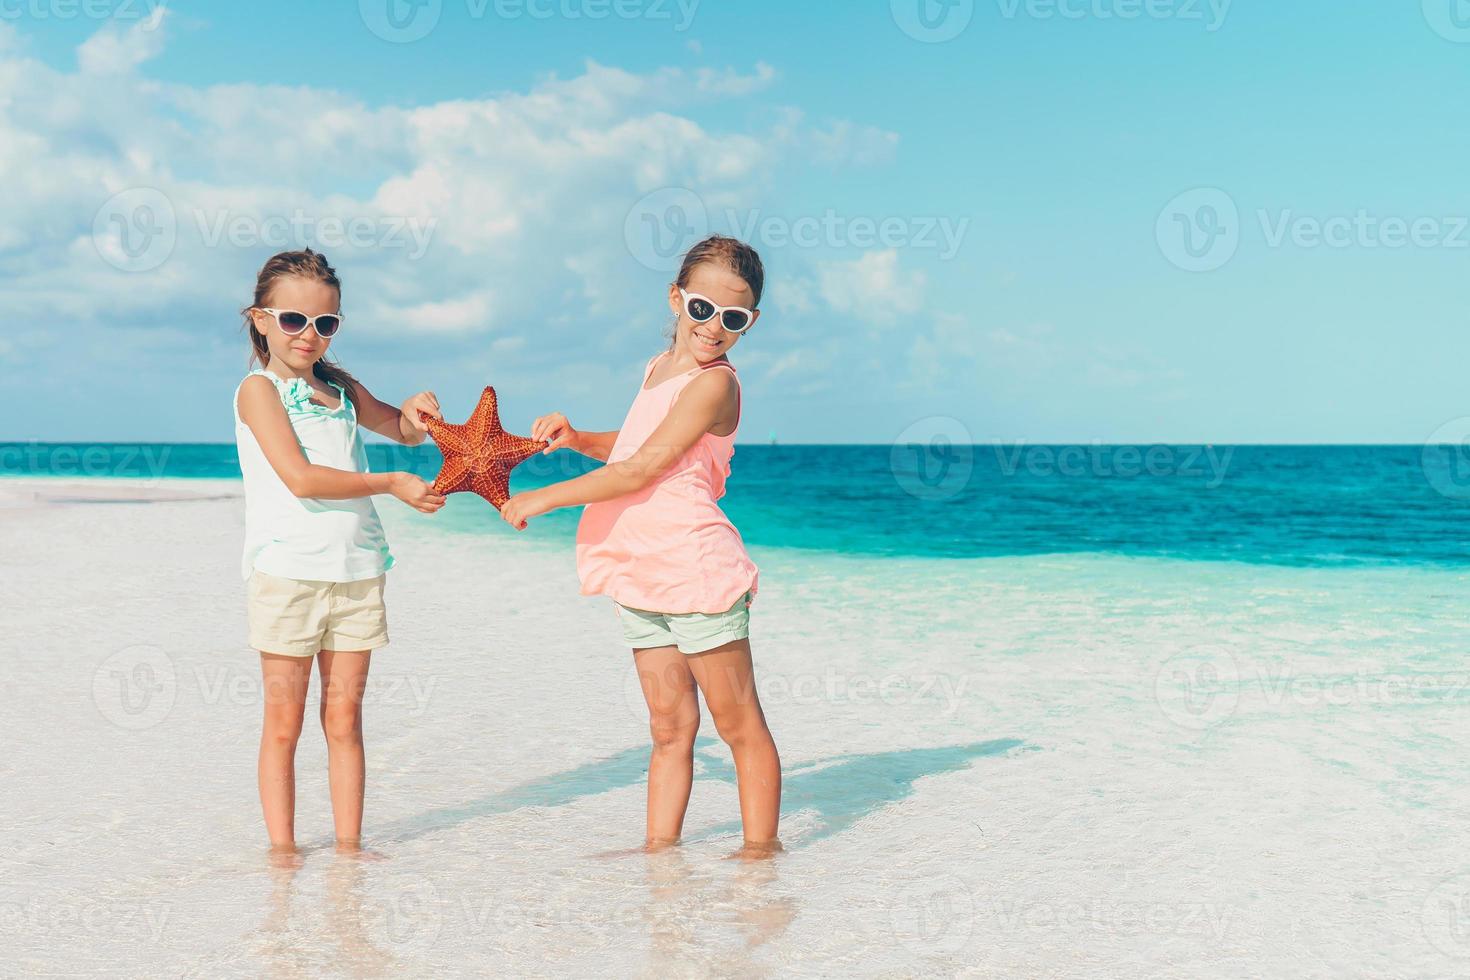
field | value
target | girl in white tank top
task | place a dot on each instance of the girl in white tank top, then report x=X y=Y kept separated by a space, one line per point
x=315 y=553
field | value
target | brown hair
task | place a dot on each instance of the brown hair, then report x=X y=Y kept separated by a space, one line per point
x=734 y=254
x=313 y=267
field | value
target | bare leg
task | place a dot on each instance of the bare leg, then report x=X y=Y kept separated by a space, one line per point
x=344 y=678
x=285 y=680
x=726 y=677
x=673 y=721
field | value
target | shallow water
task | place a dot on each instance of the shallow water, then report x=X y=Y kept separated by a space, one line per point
x=1025 y=766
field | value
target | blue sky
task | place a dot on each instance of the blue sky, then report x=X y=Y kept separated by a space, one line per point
x=1034 y=178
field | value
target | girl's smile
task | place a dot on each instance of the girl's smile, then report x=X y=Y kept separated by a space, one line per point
x=722 y=287
x=708 y=342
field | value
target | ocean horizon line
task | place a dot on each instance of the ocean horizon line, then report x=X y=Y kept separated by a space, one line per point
x=779 y=444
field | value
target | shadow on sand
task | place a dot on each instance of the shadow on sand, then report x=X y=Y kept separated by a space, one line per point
x=843 y=790
x=840 y=791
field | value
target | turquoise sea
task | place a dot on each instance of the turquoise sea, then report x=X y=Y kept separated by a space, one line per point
x=1285 y=505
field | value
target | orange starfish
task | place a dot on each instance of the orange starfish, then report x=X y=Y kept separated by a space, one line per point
x=479 y=455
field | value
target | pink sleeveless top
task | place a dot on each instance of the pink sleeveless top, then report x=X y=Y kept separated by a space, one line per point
x=667 y=548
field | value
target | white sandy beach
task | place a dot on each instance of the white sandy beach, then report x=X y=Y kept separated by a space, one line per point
x=1020 y=767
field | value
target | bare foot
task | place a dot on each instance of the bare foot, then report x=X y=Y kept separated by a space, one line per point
x=654 y=846
x=286 y=856
x=758 y=851
x=354 y=849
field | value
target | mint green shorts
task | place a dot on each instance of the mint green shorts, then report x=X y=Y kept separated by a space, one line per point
x=690 y=632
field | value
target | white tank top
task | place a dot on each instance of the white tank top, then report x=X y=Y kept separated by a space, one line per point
x=308 y=539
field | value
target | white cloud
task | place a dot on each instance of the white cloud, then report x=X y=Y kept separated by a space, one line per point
x=520 y=202
x=784 y=364
x=952 y=345
x=839 y=143
x=469 y=312
x=732 y=83
x=845 y=142
x=801 y=371
x=788 y=296
x=505 y=183
x=872 y=287
x=122 y=46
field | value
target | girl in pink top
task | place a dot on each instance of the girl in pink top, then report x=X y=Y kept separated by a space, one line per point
x=654 y=540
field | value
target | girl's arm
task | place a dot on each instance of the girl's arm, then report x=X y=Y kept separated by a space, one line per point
x=262 y=411
x=399 y=424
x=707 y=400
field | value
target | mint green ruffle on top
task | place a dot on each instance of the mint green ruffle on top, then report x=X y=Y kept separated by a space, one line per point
x=296 y=395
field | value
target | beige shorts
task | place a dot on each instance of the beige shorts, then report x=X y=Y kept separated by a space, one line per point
x=299 y=618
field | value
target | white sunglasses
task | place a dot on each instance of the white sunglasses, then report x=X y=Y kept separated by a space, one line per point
x=702 y=309
x=293 y=323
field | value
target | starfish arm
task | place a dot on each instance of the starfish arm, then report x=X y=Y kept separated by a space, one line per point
x=493 y=485
x=451 y=478
x=485 y=422
x=450 y=438
x=511 y=451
